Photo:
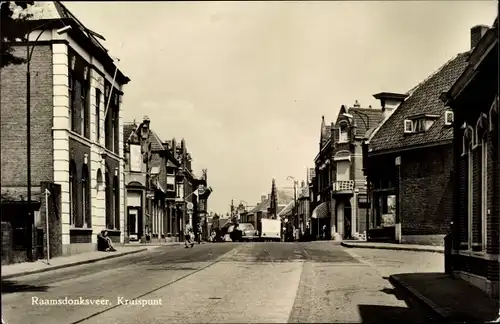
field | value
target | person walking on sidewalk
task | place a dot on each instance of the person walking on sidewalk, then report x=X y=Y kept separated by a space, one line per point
x=188 y=231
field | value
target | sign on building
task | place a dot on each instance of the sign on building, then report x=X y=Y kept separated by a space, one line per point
x=135 y=158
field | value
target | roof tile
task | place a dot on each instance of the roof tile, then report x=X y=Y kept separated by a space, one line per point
x=424 y=99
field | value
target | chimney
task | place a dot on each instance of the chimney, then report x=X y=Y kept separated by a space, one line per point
x=356 y=104
x=476 y=33
x=262 y=198
x=389 y=102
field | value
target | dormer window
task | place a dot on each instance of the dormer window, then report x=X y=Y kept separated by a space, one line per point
x=408 y=126
x=343 y=133
x=419 y=124
x=448 y=117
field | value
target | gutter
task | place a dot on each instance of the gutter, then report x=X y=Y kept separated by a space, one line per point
x=410 y=148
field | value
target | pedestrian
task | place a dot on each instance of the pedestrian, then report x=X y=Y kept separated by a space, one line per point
x=104 y=242
x=188 y=231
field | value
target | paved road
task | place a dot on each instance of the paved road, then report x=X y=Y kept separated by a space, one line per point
x=224 y=283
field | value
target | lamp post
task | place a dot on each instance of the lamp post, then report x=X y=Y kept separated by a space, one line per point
x=29 y=55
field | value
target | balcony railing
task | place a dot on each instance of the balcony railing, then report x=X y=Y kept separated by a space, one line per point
x=343 y=186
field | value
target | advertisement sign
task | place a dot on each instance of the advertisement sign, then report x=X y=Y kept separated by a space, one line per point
x=135 y=158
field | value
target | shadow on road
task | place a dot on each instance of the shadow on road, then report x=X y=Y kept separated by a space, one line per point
x=172 y=268
x=413 y=313
x=9 y=287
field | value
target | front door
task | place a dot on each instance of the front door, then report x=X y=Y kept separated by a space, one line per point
x=133 y=223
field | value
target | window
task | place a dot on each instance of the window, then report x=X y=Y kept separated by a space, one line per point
x=448 y=117
x=408 y=126
x=484 y=188
x=98 y=114
x=72 y=193
x=109 y=204
x=78 y=87
x=116 y=202
x=343 y=133
x=469 y=192
x=86 y=212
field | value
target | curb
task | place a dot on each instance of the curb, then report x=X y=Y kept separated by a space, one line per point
x=400 y=248
x=440 y=312
x=73 y=264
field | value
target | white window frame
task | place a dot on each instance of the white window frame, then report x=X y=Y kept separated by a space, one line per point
x=409 y=126
x=448 y=114
x=343 y=135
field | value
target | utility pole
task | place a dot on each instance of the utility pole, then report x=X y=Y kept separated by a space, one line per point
x=295 y=204
x=232 y=208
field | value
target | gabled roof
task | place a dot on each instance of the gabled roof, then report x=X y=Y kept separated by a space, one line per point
x=288 y=209
x=128 y=129
x=365 y=118
x=424 y=99
x=156 y=142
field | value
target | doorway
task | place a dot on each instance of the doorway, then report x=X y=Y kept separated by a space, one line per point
x=347 y=220
x=133 y=224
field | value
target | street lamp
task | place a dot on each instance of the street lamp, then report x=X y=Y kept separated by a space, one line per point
x=29 y=55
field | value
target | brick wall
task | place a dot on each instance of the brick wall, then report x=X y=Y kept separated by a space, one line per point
x=55 y=221
x=13 y=119
x=427 y=191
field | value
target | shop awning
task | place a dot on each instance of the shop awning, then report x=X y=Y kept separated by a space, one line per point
x=321 y=211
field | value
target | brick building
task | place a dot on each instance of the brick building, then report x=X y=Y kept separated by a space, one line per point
x=76 y=127
x=349 y=189
x=474 y=100
x=409 y=163
x=340 y=198
x=321 y=203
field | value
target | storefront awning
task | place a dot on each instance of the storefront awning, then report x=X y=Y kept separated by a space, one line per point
x=321 y=211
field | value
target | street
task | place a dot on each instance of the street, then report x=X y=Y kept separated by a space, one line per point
x=226 y=283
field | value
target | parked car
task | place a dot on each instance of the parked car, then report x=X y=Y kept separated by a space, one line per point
x=248 y=232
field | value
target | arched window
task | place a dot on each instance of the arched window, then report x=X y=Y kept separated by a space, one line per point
x=86 y=212
x=116 y=201
x=72 y=193
x=481 y=155
x=109 y=204
x=467 y=147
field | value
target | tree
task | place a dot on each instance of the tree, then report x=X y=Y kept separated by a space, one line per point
x=13 y=28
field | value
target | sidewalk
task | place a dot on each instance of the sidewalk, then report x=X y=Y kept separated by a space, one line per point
x=27 y=268
x=454 y=300
x=393 y=246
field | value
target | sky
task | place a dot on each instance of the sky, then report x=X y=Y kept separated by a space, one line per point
x=246 y=83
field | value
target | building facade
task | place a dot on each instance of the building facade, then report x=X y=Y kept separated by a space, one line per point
x=410 y=163
x=76 y=132
x=137 y=151
x=349 y=186
x=322 y=190
x=473 y=99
